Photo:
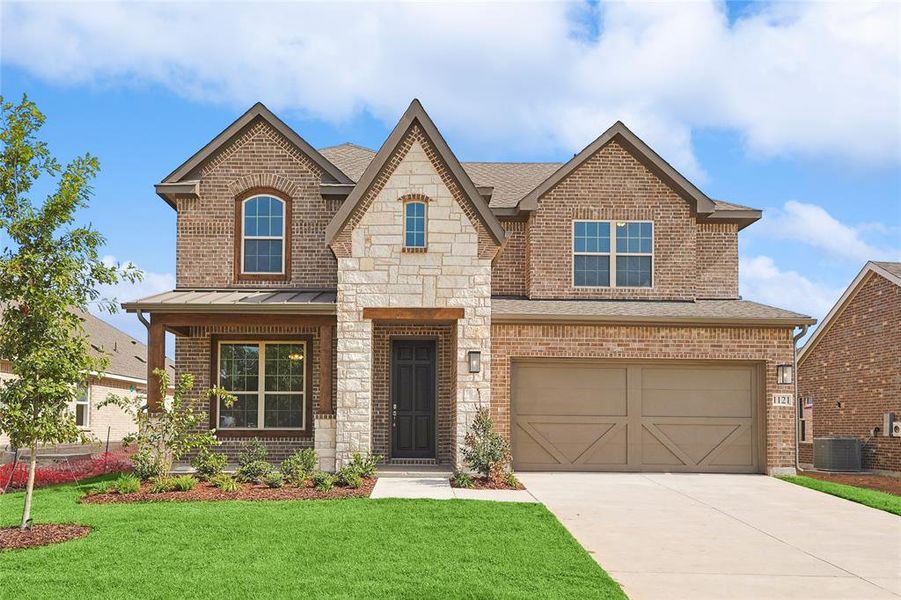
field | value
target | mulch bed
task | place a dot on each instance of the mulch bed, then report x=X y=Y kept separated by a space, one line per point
x=882 y=483
x=247 y=491
x=13 y=538
x=484 y=483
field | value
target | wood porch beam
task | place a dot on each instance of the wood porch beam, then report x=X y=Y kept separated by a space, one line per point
x=179 y=319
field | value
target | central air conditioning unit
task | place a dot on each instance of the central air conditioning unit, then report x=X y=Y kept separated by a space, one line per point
x=896 y=429
x=836 y=454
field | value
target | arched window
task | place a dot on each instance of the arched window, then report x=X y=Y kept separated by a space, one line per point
x=414 y=224
x=263 y=235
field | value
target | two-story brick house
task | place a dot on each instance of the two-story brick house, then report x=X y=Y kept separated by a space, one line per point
x=371 y=301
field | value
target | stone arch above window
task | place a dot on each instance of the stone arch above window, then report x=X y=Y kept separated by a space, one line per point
x=262 y=235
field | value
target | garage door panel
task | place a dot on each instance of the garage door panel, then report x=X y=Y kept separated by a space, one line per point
x=683 y=418
x=570 y=390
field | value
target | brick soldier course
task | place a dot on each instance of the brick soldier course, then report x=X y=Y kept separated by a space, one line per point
x=495 y=233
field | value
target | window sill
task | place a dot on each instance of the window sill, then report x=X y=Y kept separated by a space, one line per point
x=415 y=250
x=263 y=433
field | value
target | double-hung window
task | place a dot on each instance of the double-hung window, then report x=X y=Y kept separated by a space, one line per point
x=83 y=406
x=268 y=380
x=263 y=235
x=414 y=224
x=613 y=254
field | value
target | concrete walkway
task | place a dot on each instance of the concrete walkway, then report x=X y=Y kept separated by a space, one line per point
x=440 y=489
x=725 y=536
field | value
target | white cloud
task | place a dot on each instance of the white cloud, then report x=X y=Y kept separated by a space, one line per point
x=152 y=283
x=812 y=225
x=762 y=281
x=809 y=78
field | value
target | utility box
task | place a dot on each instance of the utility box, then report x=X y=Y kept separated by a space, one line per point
x=837 y=454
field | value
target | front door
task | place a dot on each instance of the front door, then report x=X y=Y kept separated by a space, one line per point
x=413 y=399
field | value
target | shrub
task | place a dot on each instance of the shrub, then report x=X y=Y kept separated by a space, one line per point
x=224 y=483
x=274 y=479
x=253 y=472
x=298 y=467
x=323 y=481
x=462 y=479
x=252 y=451
x=511 y=480
x=161 y=485
x=349 y=476
x=127 y=484
x=365 y=467
x=146 y=465
x=208 y=464
x=184 y=483
x=485 y=450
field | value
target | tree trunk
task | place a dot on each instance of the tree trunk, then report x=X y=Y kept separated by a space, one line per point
x=29 y=487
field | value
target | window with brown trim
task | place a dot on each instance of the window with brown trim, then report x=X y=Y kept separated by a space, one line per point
x=269 y=382
x=262 y=236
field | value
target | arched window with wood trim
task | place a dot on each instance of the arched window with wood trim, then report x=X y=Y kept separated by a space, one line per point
x=263 y=226
x=415 y=224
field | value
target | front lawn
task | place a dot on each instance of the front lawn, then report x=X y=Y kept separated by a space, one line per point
x=334 y=548
x=872 y=498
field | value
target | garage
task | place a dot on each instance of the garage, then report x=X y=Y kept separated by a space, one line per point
x=571 y=415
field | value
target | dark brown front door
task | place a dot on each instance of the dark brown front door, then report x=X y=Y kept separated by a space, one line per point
x=413 y=399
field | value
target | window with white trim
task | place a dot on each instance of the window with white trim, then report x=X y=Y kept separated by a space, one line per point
x=414 y=224
x=83 y=406
x=268 y=380
x=263 y=235
x=613 y=254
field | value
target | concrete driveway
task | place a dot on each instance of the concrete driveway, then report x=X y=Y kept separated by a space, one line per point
x=725 y=536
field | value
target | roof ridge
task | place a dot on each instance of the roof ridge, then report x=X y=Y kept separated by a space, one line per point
x=347 y=144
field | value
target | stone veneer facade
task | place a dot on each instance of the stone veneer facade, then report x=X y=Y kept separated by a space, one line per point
x=377 y=272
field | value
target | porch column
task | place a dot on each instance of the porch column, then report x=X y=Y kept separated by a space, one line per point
x=156 y=359
x=325 y=370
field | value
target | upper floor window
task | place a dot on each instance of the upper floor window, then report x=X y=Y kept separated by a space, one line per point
x=414 y=224
x=620 y=252
x=263 y=235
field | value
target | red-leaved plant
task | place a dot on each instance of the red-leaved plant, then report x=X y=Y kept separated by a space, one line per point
x=64 y=472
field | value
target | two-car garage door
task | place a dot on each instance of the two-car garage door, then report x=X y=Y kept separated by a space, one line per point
x=583 y=416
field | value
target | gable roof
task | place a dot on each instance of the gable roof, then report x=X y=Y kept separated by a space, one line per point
x=702 y=204
x=174 y=182
x=415 y=113
x=888 y=270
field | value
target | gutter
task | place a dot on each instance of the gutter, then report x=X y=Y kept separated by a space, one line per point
x=798 y=407
x=646 y=320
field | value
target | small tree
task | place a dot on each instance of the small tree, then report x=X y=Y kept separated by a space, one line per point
x=485 y=450
x=48 y=267
x=176 y=428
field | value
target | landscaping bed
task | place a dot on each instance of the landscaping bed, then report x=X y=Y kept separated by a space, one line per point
x=64 y=472
x=486 y=483
x=882 y=483
x=14 y=538
x=246 y=491
x=872 y=498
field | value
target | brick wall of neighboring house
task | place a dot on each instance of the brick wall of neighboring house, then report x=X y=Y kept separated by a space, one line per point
x=193 y=355
x=258 y=158
x=510 y=266
x=857 y=363
x=104 y=421
x=445 y=336
x=768 y=346
x=805 y=453
x=613 y=185
x=717 y=261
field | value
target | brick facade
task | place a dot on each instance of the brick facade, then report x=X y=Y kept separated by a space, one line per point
x=768 y=347
x=257 y=158
x=509 y=271
x=717 y=261
x=446 y=367
x=853 y=372
x=193 y=354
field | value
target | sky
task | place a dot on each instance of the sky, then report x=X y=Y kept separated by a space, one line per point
x=793 y=108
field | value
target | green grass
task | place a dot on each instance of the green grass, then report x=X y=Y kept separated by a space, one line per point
x=872 y=498
x=356 y=548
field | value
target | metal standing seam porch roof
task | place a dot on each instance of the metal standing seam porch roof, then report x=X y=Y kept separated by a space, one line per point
x=232 y=300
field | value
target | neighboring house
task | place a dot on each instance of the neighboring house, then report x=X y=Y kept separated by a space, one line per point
x=126 y=374
x=361 y=301
x=850 y=368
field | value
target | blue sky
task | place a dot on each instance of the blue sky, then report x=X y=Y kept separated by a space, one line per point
x=792 y=108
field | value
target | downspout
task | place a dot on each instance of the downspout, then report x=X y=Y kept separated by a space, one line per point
x=798 y=406
x=146 y=323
